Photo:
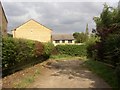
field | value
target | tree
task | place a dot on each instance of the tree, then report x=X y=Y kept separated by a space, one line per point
x=87 y=32
x=119 y=5
x=108 y=19
x=76 y=36
x=108 y=29
x=80 y=37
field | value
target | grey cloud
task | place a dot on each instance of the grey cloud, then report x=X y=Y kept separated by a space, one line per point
x=64 y=17
x=67 y=13
x=14 y=9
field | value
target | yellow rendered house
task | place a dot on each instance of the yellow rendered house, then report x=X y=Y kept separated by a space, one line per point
x=33 y=30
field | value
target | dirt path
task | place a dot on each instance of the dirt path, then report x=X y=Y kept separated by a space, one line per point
x=67 y=74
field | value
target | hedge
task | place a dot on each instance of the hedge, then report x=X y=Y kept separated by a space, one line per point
x=73 y=50
x=48 y=48
x=17 y=53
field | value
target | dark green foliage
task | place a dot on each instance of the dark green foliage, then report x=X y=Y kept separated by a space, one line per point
x=112 y=49
x=48 y=48
x=108 y=48
x=76 y=36
x=110 y=45
x=91 y=46
x=108 y=29
x=73 y=50
x=17 y=53
x=108 y=17
x=91 y=51
x=118 y=75
x=80 y=37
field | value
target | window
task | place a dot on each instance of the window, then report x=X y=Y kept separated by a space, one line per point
x=57 y=41
x=69 y=41
x=63 y=41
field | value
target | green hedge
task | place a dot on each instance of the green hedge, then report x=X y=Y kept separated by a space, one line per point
x=48 y=48
x=73 y=50
x=17 y=53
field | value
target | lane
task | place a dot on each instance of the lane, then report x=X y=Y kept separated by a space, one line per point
x=67 y=74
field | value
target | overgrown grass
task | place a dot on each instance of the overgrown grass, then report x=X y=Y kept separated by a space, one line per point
x=104 y=71
x=66 y=57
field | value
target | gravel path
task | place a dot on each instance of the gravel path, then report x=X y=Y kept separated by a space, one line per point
x=67 y=74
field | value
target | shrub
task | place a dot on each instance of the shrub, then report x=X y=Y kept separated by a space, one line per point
x=112 y=49
x=15 y=51
x=91 y=51
x=108 y=29
x=20 y=53
x=73 y=50
x=48 y=48
x=54 y=51
x=91 y=46
x=39 y=49
x=118 y=75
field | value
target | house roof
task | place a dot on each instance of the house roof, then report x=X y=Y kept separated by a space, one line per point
x=3 y=11
x=28 y=21
x=62 y=37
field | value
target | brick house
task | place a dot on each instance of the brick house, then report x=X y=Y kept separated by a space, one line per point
x=33 y=30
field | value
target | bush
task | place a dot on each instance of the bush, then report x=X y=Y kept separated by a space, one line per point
x=91 y=47
x=91 y=51
x=48 y=48
x=108 y=29
x=20 y=52
x=15 y=51
x=39 y=49
x=118 y=75
x=73 y=50
x=112 y=49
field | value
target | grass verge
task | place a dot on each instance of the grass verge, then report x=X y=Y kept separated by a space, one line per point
x=102 y=70
x=66 y=57
x=24 y=82
x=27 y=80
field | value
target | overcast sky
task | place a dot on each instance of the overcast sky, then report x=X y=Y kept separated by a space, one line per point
x=61 y=17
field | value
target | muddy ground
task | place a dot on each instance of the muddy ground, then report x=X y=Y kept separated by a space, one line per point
x=58 y=74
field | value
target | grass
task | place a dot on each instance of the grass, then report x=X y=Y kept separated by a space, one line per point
x=104 y=71
x=24 y=82
x=99 y=68
x=66 y=57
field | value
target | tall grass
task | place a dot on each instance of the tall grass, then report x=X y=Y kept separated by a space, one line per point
x=104 y=71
